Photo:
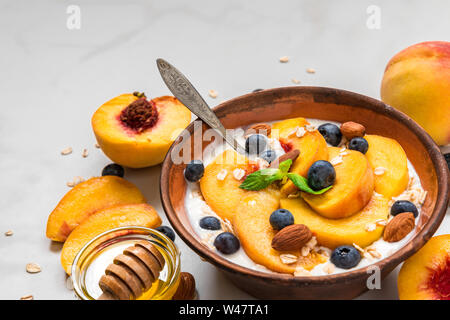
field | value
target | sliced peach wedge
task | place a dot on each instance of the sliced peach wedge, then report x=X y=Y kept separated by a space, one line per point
x=252 y=226
x=113 y=217
x=426 y=275
x=352 y=189
x=311 y=144
x=332 y=233
x=136 y=132
x=388 y=155
x=85 y=199
x=223 y=195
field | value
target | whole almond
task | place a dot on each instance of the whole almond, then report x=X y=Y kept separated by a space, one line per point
x=293 y=154
x=186 y=288
x=292 y=237
x=399 y=227
x=261 y=128
x=352 y=129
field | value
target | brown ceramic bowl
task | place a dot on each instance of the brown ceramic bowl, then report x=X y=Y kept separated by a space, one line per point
x=326 y=104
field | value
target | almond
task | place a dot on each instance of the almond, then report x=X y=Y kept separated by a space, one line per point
x=186 y=288
x=352 y=129
x=292 y=237
x=293 y=154
x=399 y=227
x=261 y=128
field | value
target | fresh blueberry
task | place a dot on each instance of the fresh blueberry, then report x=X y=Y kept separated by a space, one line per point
x=255 y=144
x=227 y=243
x=331 y=133
x=404 y=206
x=194 y=170
x=447 y=158
x=281 y=218
x=257 y=90
x=321 y=174
x=210 y=223
x=359 y=144
x=345 y=257
x=167 y=231
x=269 y=155
x=113 y=169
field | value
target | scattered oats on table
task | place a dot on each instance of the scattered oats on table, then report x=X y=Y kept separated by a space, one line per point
x=85 y=153
x=213 y=93
x=66 y=151
x=296 y=81
x=27 y=297
x=284 y=59
x=311 y=70
x=33 y=268
x=9 y=233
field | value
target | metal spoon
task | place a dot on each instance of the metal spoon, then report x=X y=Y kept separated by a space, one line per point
x=184 y=91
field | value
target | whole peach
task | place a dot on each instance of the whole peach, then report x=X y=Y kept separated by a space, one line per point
x=417 y=82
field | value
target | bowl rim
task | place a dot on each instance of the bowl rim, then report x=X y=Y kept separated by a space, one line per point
x=412 y=246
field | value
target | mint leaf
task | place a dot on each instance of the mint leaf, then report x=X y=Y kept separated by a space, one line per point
x=261 y=179
x=285 y=165
x=302 y=183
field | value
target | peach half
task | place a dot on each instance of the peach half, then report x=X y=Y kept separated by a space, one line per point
x=114 y=217
x=417 y=82
x=136 y=132
x=426 y=275
x=312 y=147
x=85 y=199
x=352 y=189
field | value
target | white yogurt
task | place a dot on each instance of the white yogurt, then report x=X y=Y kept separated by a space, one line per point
x=197 y=208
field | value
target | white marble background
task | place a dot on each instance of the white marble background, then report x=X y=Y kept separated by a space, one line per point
x=52 y=79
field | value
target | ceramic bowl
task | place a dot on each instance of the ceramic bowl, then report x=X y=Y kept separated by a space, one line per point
x=327 y=104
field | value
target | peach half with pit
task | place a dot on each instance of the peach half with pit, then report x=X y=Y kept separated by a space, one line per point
x=426 y=275
x=135 y=131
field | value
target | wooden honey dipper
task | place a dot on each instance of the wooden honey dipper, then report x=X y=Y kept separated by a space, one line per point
x=132 y=273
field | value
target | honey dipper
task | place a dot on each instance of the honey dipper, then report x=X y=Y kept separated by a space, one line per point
x=132 y=272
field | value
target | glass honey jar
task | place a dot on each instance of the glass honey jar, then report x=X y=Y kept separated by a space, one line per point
x=91 y=261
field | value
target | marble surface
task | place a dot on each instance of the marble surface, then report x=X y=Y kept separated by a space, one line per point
x=53 y=79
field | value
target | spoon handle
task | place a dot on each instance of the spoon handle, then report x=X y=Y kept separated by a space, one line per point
x=184 y=91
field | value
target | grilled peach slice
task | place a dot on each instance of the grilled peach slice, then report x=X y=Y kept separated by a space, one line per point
x=136 y=132
x=426 y=275
x=223 y=196
x=332 y=233
x=388 y=154
x=312 y=147
x=352 y=189
x=114 y=217
x=85 y=199
x=252 y=226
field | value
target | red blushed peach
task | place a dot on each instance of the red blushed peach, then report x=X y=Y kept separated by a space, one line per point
x=426 y=275
x=137 y=132
x=417 y=82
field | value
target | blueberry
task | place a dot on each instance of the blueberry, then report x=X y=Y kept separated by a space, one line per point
x=331 y=133
x=281 y=218
x=227 y=243
x=321 y=174
x=113 y=169
x=269 y=155
x=167 y=231
x=447 y=158
x=194 y=170
x=359 y=144
x=404 y=206
x=210 y=223
x=255 y=144
x=345 y=257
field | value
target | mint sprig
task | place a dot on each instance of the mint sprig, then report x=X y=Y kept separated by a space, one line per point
x=261 y=179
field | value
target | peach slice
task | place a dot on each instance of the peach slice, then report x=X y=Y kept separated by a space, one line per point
x=389 y=155
x=252 y=227
x=352 y=189
x=426 y=275
x=223 y=196
x=118 y=216
x=312 y=147
x=332 y=233
x=136 y=132
x=85 y=199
